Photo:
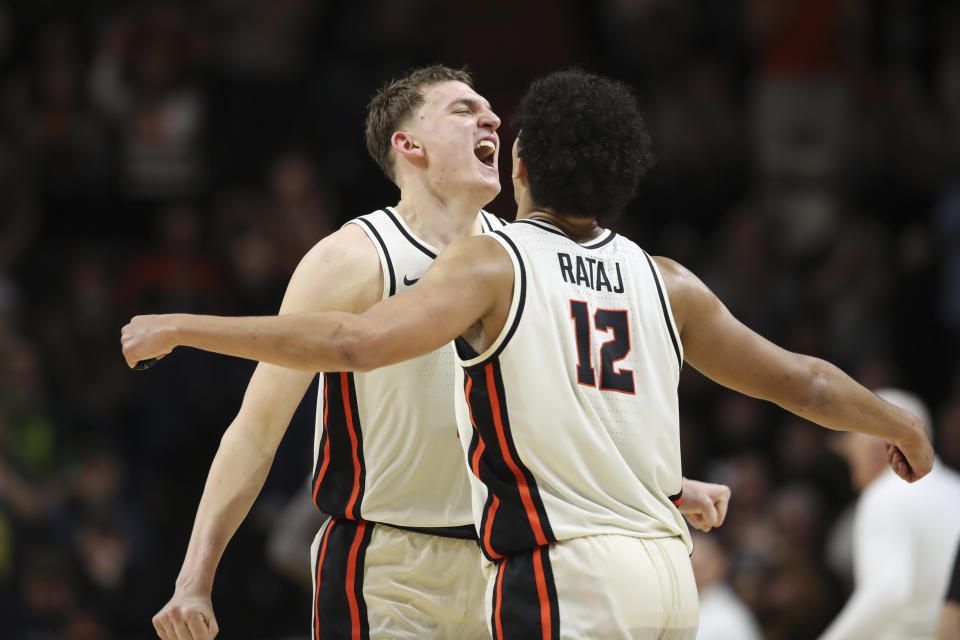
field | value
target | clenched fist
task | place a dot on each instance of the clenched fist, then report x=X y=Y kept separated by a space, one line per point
x=146 y=337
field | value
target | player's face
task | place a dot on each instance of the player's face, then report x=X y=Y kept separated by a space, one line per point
x=458 y=133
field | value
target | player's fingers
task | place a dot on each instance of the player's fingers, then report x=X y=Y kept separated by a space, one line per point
x=722 y=503
x=698 y=522
x=180 y=626
x=212 y=624
x=197 y=624
x=160 y=625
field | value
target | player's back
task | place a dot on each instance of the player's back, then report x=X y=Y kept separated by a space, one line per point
x=570 y=419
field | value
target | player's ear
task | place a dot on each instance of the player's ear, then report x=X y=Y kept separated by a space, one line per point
x=405 y=145
x=520 y=171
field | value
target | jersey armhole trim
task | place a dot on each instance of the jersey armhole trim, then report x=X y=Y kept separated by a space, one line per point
x=667 y=313
x=386 y=264
x=430 y=253
x=516 y=305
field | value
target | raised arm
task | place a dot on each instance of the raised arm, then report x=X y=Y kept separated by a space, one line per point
x=470 y=281
x=729 y=353
x=341 y=272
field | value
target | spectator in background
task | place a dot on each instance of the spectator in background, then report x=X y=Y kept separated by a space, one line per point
x=901 y=537
x=723 y=616
x=144 y=80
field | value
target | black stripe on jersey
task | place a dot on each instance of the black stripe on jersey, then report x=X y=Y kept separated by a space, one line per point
x=527 y=597
x=523 y=295
x=340 y=493
x=340 y=610
x=544 y=227
x=406 y=234
x=475 y=466
x=491 y=221
x=663 y=306
x=520 y=521
x=551 y=229
x=464 y=350
x=386 y=255
x=599 y=244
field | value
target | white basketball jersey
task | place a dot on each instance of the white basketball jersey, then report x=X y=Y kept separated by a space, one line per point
x=386 y=447
x=570 y=419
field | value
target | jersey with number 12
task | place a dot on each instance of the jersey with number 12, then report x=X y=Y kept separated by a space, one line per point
x=569 y=421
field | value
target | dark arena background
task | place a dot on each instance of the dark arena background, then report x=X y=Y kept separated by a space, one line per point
x=163 y=156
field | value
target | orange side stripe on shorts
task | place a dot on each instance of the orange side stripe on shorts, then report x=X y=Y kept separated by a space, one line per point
x=352 y=579
x=326 y=445
x=498 y=621
x=348 y=412
x=316 y=597
x=542 y=593
x=521 y=480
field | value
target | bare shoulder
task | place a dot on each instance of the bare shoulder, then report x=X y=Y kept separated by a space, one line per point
x=687 y=293
x=675 y=275
x=341 y=272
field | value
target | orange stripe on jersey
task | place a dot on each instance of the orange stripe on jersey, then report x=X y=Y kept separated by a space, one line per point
x=348 y=412
x=316 y=596
x=521 y=480
x=498 y=621
x=351 y=581
x=545 y=622
x=491 y=514
x=475 y=466
x=326 y=445
x=475 y=461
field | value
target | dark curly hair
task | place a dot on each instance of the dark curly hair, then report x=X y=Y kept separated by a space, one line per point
x=584 y=143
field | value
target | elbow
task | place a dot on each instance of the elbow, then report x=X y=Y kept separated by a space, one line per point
x=357 y=351
x=815 y=388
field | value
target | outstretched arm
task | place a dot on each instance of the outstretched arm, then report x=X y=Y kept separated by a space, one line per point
x=726 y=351
x=468 y=282
x=348 y=261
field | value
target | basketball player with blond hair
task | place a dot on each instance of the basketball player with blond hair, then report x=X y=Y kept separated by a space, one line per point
x=398 y=558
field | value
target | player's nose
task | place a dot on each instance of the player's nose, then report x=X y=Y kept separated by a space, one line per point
x=489 y=120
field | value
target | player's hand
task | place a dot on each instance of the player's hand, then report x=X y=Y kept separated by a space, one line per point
x=704 y=504
x=912 y=458
x=146 y=337
x=186 y=617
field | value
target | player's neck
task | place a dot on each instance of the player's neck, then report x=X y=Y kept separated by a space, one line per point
x=577 y=228
x=437 y=220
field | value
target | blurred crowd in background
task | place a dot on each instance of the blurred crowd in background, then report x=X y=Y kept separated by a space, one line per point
x=163 y=156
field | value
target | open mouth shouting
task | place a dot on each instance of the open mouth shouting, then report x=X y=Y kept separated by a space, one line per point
x=486 y=152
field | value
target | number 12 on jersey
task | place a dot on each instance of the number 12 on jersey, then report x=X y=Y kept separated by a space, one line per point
x=615 y=349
